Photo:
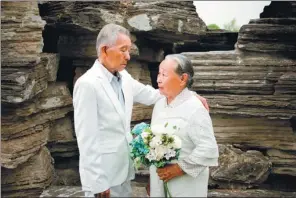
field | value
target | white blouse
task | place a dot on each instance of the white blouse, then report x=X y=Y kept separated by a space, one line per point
x=199 y=147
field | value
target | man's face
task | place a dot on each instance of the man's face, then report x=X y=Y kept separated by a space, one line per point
x=169 y=82
x=115 y=57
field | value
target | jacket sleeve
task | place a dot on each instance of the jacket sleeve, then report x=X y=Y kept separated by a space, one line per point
x=200 y=131
x=144 y=94
x=86 y=123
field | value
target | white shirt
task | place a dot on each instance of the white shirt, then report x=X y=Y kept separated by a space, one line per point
x=199 y=147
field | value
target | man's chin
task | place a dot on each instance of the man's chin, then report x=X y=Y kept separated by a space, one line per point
x=122 y=68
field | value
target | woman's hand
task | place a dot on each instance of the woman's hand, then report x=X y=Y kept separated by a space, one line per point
x=169 y=172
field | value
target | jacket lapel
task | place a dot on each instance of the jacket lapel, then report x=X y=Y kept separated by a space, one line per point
x=109 y=90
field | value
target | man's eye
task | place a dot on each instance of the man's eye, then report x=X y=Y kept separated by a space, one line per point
x=123 y=49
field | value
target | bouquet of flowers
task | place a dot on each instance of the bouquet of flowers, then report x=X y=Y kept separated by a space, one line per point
x=156 y=145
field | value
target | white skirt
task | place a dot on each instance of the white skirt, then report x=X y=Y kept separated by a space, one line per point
x=182 y=186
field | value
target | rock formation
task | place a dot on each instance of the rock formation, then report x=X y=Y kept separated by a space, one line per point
x=31 y=101
x=250 y=87
x=251 y=90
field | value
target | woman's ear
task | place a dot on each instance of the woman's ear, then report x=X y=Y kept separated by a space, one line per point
x=184 y=79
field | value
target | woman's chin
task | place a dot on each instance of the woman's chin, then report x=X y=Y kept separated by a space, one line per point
x=161 y=92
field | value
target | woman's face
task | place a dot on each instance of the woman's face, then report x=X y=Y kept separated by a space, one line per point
x=170 y=83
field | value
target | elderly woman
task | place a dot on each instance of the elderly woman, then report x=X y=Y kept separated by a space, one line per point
x=188 y=177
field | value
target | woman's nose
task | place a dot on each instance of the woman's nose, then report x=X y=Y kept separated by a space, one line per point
x=127 y=55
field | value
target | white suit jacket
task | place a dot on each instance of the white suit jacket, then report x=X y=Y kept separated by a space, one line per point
x=103 y=128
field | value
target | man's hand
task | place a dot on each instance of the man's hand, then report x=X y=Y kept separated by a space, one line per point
x=169 y=172
x=105 y=194
x=203 y=101
x=148 y=189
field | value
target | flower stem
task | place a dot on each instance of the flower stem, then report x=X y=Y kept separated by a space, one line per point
x=166 y=190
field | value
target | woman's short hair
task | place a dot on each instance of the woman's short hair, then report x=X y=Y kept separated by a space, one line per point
x=183 y=66
x=108 y=35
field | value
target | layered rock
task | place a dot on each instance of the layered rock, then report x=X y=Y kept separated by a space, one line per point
x=139 y=190
x=217 y=40
x=229 y=72
x=249 y=104
x=238 y=168
x=61 y=141
x=273 y=33
x=21 y=45
x=176 y=19
x=251 y=89
x=32 y=101
x=279 y=9
x=283 y=162
x=52 y=104
x=30 y=178
x=268 y=35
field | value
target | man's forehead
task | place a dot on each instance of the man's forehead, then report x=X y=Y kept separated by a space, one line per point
x=123 y=39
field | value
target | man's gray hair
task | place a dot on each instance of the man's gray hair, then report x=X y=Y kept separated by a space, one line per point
x=184 y=66
x=108 y=35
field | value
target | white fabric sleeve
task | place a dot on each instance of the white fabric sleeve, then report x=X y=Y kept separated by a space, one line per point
x=200 y=131
x=191 y=169
x=144 y=94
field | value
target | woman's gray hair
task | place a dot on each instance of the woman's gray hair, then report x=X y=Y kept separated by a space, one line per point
x=184 y=66
x=108 y=35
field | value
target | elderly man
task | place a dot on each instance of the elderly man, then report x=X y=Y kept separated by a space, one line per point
x=103 y=99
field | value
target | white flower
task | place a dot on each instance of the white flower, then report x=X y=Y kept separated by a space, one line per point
x=151 y=155
x=170 y=153
x=160 y=151
x=177 y=144
x=156 y=141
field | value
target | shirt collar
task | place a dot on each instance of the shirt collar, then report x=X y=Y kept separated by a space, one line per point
x=184 y=95
x=108 y=74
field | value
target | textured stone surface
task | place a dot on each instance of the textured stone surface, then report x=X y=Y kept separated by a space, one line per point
x=139 y=191
x=18 y=150
x=254 y=132
x=21 y=83
x=165 y=21
x=22 y=75
x=235 y=166
x=30 y=178
x=228 y=72
x=212 y=40
x=54 y=103
x=21 y=29
x=176 y=19
x=268 y=106
x=279 y=9
x=283 y=162
x=268 y=35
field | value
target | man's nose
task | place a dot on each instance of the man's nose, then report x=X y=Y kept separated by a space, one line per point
x=158 y=80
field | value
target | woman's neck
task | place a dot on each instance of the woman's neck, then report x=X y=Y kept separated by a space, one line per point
x=172 y=97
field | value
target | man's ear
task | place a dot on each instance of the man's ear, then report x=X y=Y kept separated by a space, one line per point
x=103 y=50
